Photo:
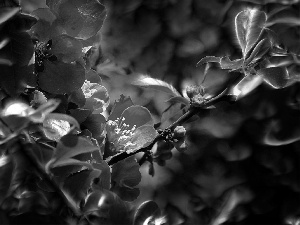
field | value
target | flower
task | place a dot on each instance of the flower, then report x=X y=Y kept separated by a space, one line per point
x=129 y=128
x=96 y=96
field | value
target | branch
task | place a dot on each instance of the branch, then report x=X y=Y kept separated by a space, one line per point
x=123 y=155
x=185 y=117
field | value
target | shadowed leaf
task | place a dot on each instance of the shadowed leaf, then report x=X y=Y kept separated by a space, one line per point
x=80 y=18
x=277 y=77
x=61 y=78
x=227 y=64
x=208 y=59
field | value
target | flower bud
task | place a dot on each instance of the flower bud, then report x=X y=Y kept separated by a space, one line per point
x=194 y=90
x=180 y=145
x=179 y=132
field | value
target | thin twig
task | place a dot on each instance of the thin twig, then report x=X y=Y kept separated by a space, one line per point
x=185 y=117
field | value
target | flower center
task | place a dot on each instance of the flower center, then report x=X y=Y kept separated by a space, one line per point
x=119 y=134
x=41 y=51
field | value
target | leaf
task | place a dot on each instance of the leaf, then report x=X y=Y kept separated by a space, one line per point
x=6 y=173
x=93 y=77
x=61 y=78
x=15 y=79
x=172 y=112
x=277 y=77
x=67 y=49
x=105 y=207
x=7 y=12
x=95 y=123
x=282 y=132
x=248 y=27
x=44 y=14
x=178 y=99
x=208 y=59
x=259 y=51
x=80 y=18
x=156 y=84
x=19 y=49
x=57 y=125
x=38 y=98
x=68 y=147
x=246 y=85
x=144 y=211
x=78 y=190
x=119 y=106
x=105 y=177
x=125 y=175
x=80 y=114
x=227 y=64
x=290 y=21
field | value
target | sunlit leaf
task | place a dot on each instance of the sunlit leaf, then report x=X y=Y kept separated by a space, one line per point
x=61 y=78
x=277 y=77
x=153 y=83
x=208 y=59
x=248 y=27
x=57 y=125
x=144 y=211
x=246 y=85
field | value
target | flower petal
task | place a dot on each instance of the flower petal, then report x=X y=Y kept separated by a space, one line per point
x=137 y=115
x=119 y=106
